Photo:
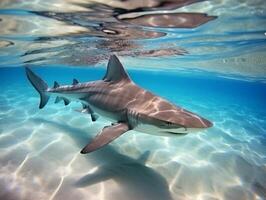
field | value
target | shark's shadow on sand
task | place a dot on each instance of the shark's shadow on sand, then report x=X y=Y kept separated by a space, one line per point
x=135 y=180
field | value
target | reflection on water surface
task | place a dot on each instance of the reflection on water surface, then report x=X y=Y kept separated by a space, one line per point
x=94 y=30
x=227 y=37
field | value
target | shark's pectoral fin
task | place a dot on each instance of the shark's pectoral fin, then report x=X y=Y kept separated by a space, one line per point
x=107 y=135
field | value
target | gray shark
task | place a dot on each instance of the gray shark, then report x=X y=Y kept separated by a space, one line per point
x=125 y=104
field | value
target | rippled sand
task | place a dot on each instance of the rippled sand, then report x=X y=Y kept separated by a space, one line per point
x=40 y=156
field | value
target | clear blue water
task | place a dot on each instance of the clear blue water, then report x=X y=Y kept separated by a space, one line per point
x=216 y=69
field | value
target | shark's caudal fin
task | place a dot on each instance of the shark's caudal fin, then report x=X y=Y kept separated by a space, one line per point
x=39 y=85
x=115 y=71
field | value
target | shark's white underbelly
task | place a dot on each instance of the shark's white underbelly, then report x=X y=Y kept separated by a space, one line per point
x=111 y=116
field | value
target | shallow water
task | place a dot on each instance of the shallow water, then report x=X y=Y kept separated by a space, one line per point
x=213 y=65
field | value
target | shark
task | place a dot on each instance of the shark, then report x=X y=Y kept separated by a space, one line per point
x=127 y=106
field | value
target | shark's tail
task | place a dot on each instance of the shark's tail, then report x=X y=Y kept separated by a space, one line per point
x=39 y=85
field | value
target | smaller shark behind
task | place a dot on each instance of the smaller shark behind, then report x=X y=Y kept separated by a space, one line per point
x=119 y=99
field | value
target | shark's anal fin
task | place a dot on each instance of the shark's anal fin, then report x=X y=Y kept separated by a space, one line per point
x=58 y=99
x=107 y=135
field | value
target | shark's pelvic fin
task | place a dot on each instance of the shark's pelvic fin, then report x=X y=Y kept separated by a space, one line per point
x=107 y=135
x=66 y=101
x=56 y=85
x=75 y=82
x=85 y=110
x=115 y=71
x=94 y=116
x=39 y=85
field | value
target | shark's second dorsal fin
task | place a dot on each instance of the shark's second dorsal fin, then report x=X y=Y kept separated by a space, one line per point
x=75 y=82
x=115 y=71
x=56 y=85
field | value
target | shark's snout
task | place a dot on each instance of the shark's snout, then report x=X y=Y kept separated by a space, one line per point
x=207 y=123
x=193 y=126
x=193 y=121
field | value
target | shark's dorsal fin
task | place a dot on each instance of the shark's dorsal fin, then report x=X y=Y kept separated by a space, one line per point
x=115 y=71
x=75 y=82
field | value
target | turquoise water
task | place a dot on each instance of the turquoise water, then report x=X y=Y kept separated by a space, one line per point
x=216 y=69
